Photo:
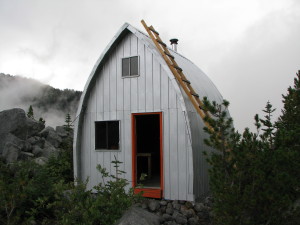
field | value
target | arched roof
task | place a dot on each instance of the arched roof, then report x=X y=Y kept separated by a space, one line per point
x=199 y=80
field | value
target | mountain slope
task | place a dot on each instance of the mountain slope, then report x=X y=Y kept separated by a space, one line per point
x=49 y=103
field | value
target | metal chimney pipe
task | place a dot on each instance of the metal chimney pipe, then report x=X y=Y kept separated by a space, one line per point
x=174 y=43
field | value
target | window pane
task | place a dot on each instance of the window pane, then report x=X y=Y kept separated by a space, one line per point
x=113 y=135
x=100 y=135
x=125 y=67
x=134 y=65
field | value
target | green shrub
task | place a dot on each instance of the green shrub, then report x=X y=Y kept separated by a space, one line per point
x=25 y=190
x=255 y=177
x=79 y=206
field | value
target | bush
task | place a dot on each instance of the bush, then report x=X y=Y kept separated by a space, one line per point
x=255 y=177
x=25 y=191
x=104 y=207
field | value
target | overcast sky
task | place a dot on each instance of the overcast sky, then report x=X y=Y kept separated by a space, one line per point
x=250 y=49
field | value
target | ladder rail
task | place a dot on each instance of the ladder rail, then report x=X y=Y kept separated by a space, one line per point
x=177 y=72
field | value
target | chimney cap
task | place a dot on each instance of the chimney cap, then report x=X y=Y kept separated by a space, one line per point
x=174 y=41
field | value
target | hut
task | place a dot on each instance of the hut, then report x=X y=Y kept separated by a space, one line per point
x=134 y=109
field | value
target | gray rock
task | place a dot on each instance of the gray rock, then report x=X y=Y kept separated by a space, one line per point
x=41 y=160
x=180 y=219
x=170 y=223
x=33 y=127
x=199 y=207
x=37 y=151
x=169 y=211
x=60 y=130
x=37 y=141
x=153 y=205
x=6 y=138
x=51 y=136
x=163 y=209
x=187 y=212
x=27 y=147
x=176 y=206
x=25 y=155
x=189 y=205
x=169 y=205
x=193 y=221
x=167 y=217
x=144 y=205
x=163 y=202
x=138 y=216
x=49 y=150
x=11 y=153
x=14 y=121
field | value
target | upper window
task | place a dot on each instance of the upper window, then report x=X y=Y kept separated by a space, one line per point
x=107 y=135
x=130 y=66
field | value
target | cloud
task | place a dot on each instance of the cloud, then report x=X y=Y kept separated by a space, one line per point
x=260 y=65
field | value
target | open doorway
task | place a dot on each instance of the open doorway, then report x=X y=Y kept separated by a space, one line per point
x=147 y=158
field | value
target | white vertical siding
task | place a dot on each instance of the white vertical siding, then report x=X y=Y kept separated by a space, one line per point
x=116 y=98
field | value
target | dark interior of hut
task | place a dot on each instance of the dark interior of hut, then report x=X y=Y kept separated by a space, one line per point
x=148 y=150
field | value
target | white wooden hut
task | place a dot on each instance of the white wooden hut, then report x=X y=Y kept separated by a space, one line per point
x=133 y=108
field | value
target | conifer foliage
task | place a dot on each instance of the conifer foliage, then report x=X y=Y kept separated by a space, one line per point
x=255 y=176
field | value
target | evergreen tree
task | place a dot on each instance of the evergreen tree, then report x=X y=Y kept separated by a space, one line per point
x=255 y=177
x=30 y=112
x=289 y=121
x=68 y=126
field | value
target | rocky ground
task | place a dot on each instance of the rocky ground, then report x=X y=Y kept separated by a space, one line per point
x=167 y=212
x=180 y=212
x=23 y=138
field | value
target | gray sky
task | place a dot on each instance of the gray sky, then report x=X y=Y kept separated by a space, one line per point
x=250 y=49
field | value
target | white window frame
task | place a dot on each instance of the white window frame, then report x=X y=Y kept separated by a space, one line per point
x=138 y=69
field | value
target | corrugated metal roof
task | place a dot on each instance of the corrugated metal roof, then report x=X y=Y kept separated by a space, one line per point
x=199 y=80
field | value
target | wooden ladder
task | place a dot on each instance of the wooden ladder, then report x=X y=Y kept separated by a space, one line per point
x=177 y=71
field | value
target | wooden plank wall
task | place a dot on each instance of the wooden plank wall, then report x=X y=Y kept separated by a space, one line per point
x=115 y=98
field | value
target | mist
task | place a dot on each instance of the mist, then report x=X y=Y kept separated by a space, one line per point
x=20 y=92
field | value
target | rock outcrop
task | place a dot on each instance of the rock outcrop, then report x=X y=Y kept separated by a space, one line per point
x=22 y=138
x=180 y=212
x=138 y=216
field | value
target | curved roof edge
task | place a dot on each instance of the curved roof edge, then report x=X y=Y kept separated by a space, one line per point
x=118 y=36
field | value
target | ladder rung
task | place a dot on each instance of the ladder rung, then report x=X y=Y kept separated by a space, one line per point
x=171 y=56
x=154 y=31
x=195 y=95
x=186 y=81
x=162 y=43
x=178 y=68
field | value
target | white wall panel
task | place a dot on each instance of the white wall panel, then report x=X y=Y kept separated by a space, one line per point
x=149 y=81
x=116 y=98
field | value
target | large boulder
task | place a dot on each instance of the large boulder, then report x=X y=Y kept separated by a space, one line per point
x=33 y=127
x=6 y=138
x=51 y=136
x=49 y=150
x=14 y=121
x=11 y=153
x=138 y=216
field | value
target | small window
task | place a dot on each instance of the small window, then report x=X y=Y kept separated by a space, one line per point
x=107 y=135
x=130 y=66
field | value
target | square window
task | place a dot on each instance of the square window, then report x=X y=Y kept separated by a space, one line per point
x=130 y=66
x=107 y=135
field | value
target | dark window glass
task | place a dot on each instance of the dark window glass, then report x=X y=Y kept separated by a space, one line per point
x=134 y=65
x=107 y=135
x=125 y=67
x=130 y=66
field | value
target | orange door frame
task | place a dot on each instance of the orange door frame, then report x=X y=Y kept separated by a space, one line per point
x=147 y=192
